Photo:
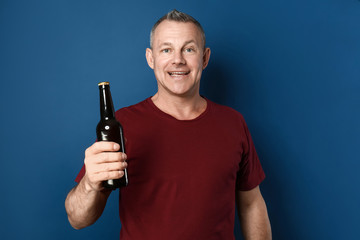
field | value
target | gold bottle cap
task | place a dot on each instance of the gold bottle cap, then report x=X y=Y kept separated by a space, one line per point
x=103 y=83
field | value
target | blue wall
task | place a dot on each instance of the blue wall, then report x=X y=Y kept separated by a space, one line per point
x=291 y=67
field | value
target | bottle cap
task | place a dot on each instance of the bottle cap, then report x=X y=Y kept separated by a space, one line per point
x=103 y=83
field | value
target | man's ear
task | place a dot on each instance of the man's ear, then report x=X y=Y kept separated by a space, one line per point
x=149 y=58
x=206 y=57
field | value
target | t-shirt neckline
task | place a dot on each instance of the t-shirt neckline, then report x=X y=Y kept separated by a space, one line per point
x=165 y=115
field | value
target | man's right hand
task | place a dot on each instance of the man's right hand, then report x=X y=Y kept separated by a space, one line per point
x=103 y=162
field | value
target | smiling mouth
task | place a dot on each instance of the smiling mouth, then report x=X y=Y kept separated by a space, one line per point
x=178 y=73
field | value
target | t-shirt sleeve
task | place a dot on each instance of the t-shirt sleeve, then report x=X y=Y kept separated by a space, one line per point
x=250 y=172
x=80 y=174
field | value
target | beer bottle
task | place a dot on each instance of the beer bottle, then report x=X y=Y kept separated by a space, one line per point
x=109 y=129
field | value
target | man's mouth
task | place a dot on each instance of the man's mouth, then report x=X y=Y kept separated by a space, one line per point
x=178 y=73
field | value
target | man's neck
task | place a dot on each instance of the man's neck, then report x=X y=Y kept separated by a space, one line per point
x=181 y=108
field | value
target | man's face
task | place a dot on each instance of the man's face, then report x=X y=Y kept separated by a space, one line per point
x=177 y=58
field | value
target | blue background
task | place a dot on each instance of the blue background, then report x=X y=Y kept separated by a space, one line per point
x=292 y=68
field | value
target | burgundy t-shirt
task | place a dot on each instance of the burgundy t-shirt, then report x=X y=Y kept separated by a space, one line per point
x=183 y=173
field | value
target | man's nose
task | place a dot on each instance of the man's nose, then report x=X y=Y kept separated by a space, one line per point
x=178 y=58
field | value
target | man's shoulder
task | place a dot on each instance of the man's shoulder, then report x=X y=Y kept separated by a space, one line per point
x=224 y=110
x=135 y=106
x=134 y=110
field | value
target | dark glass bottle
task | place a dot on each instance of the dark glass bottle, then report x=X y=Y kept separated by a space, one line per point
x=109 y=129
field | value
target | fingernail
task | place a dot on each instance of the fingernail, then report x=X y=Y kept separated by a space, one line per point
x=116 y=146
x=124 y=164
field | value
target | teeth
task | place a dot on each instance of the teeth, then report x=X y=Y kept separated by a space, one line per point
x=178 y=73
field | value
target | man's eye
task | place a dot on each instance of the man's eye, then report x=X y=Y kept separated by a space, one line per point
x=165 y=50
x=189 y=50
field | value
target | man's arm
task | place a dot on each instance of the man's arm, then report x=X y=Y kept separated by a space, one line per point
x=86 y=202
x=85 y=206
x=253 y=215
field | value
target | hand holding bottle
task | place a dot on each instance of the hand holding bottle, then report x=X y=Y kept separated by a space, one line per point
x=103 y=162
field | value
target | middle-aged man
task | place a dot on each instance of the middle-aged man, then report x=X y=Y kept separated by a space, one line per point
x=189 y=160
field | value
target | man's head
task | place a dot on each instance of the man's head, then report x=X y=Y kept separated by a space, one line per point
x=177 y=16
x=178 y=55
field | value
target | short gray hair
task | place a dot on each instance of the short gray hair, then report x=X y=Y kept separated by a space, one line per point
x=177 y=16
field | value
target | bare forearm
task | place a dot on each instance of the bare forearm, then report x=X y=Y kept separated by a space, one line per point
x=253 y=215
x=255 y=223
x=84 y=206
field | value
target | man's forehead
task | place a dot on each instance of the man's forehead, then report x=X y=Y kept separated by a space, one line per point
x=165 y=43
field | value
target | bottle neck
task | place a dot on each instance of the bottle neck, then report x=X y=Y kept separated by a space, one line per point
x=106 y=103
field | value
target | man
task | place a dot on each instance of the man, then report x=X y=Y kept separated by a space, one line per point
x=188 y=158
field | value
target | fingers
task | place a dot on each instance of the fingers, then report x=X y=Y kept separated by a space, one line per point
x=103 y=176
x=109 y=167
x=108 y=157
x=103 y=162
x=102 y=146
